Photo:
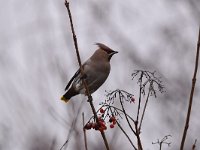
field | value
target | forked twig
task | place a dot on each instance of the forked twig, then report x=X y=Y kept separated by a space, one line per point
x=163 y=141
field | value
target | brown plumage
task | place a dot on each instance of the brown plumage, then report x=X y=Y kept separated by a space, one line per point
x=96 y=70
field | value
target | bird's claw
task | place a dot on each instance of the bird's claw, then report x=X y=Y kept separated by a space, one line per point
x=84 y=76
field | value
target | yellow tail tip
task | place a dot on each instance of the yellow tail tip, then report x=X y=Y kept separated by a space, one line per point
x=64 y=99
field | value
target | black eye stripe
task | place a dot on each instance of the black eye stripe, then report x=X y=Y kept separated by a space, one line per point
x=108 y=51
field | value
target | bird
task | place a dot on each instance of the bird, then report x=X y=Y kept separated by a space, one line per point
x=95 y=72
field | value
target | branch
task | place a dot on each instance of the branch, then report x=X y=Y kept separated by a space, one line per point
x=90 y=99
x=138 y=111
x=138 y=137
x=191 y=95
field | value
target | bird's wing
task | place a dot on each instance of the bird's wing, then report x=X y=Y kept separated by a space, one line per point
x=74 y=76
x=85 y=68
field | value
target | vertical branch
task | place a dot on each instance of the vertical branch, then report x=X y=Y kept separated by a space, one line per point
x=84 y=132
x=138 y=111
x=191 y=95
x=140 y=95
x=90 y=99
x=138 y=137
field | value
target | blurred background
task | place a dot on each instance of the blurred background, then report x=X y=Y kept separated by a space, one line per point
x=37 y=59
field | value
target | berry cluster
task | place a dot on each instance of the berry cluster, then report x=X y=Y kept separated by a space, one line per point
x=101 y=126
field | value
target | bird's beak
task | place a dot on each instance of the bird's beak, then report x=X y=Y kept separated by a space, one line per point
x=111 y=54
x=115 y=52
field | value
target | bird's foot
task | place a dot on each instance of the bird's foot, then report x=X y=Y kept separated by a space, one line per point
x=64 y=99
x=84 y=76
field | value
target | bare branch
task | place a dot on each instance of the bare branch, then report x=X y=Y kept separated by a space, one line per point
x=191 y=95
x=90 y=99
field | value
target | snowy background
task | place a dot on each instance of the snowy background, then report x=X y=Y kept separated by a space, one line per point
x=37 y=59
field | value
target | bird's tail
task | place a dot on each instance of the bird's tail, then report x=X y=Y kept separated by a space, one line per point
x=70 y=93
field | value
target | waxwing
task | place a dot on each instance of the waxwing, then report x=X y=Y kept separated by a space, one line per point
x=96 y=70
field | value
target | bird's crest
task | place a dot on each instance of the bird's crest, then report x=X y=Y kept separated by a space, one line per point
x=105 y=48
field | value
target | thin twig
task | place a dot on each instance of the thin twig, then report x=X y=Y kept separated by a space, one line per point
x=52 y=147
x=140 y=95
x=72 y=127
x=124 y=111
x=126 y=135
x=194 y=145
x=191 y=95
x=90 y=99
x=137 y=119
x=84 y=132
x=135 y=132
x=125 y=114
x=138 y=137
x=145 y=106
x=163 y=141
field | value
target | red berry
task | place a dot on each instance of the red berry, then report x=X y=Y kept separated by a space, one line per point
x=132 y=99
x=112 y=119
x=102 y=110
x=88 y=126
x=112 y=126
x=114 y=122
